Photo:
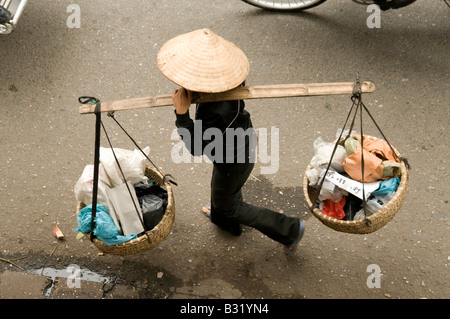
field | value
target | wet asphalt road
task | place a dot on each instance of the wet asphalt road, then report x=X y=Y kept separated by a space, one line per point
x=46 y=143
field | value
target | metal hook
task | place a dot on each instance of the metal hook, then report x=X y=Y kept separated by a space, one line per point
x=357 y=86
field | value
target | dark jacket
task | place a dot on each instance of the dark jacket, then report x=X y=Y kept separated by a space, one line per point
x=230 y=120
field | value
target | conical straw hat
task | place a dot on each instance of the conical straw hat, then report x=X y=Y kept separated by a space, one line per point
x=202 y=61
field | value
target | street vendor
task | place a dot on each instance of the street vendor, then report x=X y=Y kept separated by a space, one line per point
x=201 y=61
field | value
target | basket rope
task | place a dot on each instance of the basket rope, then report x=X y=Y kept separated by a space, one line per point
x=166 y=177
x=98 y=120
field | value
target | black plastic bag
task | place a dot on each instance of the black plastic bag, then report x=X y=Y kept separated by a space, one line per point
x=153 y=202
x=352 y=205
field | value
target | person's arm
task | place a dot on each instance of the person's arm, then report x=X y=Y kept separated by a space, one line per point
x=182 y=100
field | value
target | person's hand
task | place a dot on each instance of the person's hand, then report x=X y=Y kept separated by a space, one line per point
x=182 y=100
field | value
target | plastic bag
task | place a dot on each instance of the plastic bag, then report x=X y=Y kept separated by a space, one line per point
x=105 y=229
x=132 y=164
x=84 y=187
x=329 y=189
x=321 y=159
x=379 y=160
x=391 y=169
x=373 y=170
x=153 y=201
x=387 y=187
x=323 y=151
x=319 y=162
x=334 y=209
x=153 y=209
x=374 y=203
x=353 y=205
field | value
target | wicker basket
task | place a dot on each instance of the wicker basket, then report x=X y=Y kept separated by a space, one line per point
x=377 y=220
x=151 y=238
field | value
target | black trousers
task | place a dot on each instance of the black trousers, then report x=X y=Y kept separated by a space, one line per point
x=229 y=211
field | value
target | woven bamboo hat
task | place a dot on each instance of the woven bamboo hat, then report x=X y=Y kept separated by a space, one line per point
x=202 y=61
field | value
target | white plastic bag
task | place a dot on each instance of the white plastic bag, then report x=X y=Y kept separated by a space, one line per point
x=374 y=204
x=84 y=187
x=321 y=158
x=125 y=210
x=132 y=164
x=331 y=191
x=323 y=151
x=319 y=163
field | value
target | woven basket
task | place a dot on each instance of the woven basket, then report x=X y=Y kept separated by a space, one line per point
x=151 y=238
x=377 y=220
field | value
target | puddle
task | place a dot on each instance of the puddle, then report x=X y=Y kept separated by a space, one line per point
x=73 y=272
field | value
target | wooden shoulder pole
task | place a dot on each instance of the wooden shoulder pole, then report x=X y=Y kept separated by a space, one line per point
x=239 y=93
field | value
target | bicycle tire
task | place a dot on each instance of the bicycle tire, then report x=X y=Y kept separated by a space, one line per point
x=284 y=5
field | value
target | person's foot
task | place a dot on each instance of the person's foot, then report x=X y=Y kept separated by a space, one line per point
x=207 y=210
x=290 y=249
x=235 y=230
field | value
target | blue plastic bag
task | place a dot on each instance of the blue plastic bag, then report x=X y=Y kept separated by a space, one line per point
x=105 y=229
x=388 y=186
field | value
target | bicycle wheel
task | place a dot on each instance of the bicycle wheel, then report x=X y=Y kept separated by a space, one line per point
x=284 y=5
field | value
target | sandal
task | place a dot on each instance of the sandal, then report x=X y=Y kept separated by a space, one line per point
x=290 y=249
x=206 y=210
